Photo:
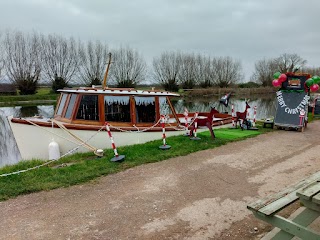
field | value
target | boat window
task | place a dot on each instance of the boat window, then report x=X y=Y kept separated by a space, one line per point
x=117 y=108
x=88 y=108
x=62 y=103
x=164 y=106
x=71 y=105
x=145 y=109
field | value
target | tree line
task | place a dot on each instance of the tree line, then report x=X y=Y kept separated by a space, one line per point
x=28 y=59
x=265 y=68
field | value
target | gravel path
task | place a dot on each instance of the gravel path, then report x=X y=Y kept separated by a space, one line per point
x=200 y=196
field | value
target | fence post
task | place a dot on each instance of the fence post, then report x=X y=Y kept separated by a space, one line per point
x=117 y=157
x=186 y=114
x=232 y=114
x=195 y=128
x=164 y=146
x=254 y=115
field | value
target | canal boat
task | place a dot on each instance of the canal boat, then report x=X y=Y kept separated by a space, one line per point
x=99 y=117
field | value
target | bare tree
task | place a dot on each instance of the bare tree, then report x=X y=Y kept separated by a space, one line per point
x=1 y=68
x=187 y=73
x=264 y=70
x=289 y=62
x=60 y=60
x=128 y=67
x=93 y=58
x=313 y=71
x=22 y=60
x=199 y=69
x=227 y=70
x=1 y=59
x=204 y=72
x=166 y=69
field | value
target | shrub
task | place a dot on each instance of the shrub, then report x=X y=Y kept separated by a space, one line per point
x=58 y=83
x=248 y=85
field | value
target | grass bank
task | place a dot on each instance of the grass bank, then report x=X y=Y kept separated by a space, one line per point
x=84 y=167
x=42 y=95
x=208 y=92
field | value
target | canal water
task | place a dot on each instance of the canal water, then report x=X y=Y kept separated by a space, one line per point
x=9 y=153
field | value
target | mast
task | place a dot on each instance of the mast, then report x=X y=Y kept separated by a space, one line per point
x=104 y=85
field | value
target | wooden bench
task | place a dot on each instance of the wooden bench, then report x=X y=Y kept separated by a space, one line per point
x=308 y=191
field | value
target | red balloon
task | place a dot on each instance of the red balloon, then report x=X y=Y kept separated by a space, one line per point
x=282 y=78
x=314 y=87
x=276 y=83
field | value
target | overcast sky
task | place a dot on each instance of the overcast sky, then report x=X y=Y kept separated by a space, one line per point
x=246 y=30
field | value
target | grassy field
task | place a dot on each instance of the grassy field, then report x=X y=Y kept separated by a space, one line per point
x=80 y=168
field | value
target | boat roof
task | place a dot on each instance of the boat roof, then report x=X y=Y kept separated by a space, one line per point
x=118 y=91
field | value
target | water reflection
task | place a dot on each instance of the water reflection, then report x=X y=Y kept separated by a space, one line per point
x=29 y=111
x=9 y=153
x=265 y=107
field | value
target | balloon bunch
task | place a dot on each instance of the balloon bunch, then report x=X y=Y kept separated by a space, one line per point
x=312 y=83
x=278 y=79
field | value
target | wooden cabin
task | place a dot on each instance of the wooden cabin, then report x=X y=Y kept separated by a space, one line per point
x=121 y=107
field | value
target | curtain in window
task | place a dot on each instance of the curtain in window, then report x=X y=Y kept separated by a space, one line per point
x=144 y=100
x=121 y=100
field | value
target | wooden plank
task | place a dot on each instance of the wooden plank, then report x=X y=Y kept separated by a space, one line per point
x=173 y=110
x=316 y=199
x=157 y=105
x=279 y=204
x=294 y=229
x=272 y=198
x=304 y=218
x=310 y=205
x=278 y=201
x=309 y=191
x=101 y=107
x=133 y=110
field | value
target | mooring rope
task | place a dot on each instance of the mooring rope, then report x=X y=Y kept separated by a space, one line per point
x=82 y=143
x=41 y=165
x=138 y=130
x=178 y=128
x=184 y=127
x=45 y=129
x=74 y=136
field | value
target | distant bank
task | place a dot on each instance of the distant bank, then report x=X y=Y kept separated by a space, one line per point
x=207 y=92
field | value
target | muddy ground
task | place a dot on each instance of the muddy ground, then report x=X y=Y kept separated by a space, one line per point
x=200 y=196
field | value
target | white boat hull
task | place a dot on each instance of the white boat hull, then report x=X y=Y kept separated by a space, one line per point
x=33 y=141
